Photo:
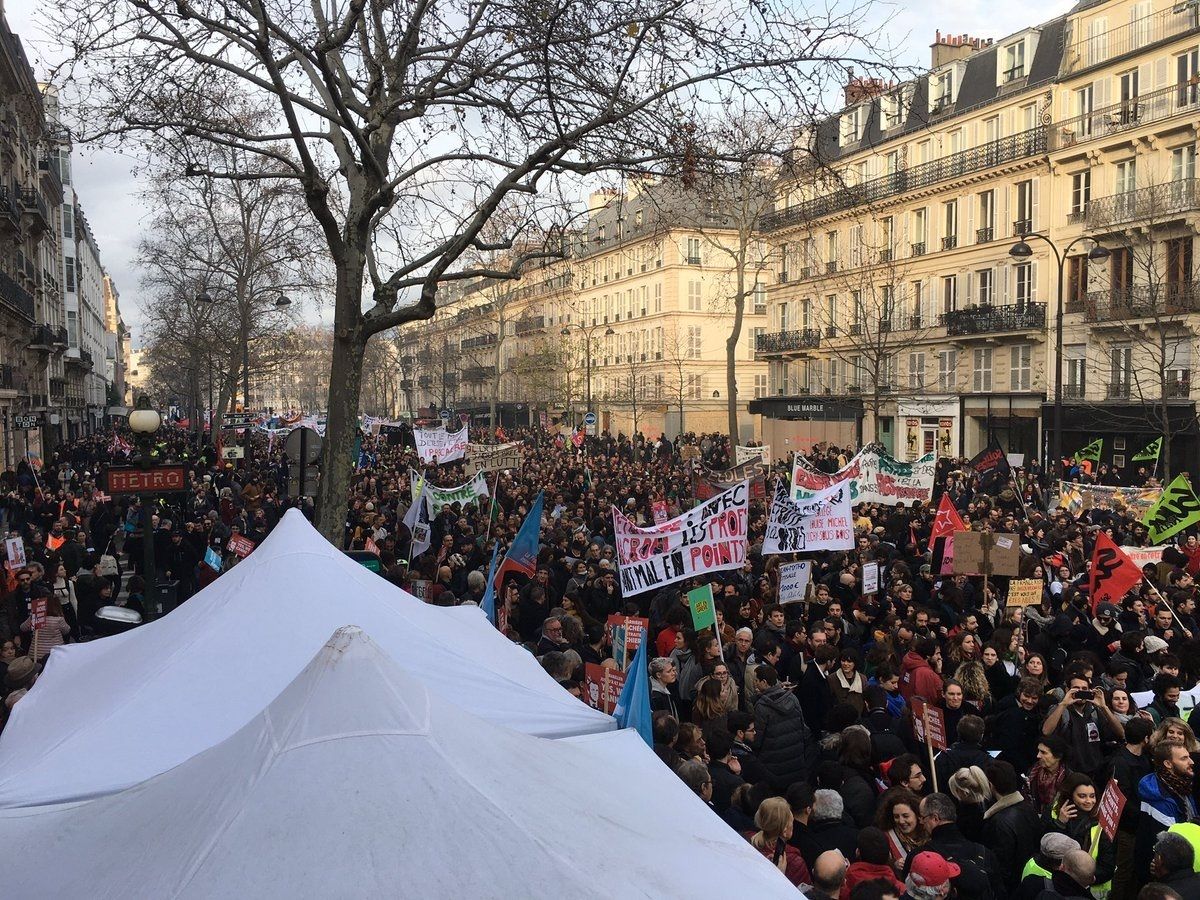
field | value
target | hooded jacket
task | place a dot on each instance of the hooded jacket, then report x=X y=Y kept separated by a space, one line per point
x=918 y=679
x=784 y=744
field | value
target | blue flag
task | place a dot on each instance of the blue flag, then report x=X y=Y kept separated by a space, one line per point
x=489 y=595
x=213 y=560
x=633 y=706
x=522 y=553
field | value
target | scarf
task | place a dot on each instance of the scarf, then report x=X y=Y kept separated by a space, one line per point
x=854 y=687
x=1043 y=785
x=1180 y=785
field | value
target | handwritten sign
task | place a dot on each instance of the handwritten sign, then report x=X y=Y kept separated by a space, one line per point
x=793 y=581
x=870 y=578
x=1025 y=592
x=1112 y=804
x=602 y=687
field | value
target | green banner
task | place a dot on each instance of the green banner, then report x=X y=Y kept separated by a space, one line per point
x=1151 y=453
x=1175 y=510
x=704 y=615
x=1092 y=450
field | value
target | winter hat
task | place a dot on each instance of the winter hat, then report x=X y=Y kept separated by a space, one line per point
x=1056 y=845
x=1154 y=644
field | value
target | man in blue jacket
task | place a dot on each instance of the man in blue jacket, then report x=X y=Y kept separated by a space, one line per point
x=1165 y=798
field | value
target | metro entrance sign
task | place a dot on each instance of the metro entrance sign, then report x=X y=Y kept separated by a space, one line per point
x=157 y=480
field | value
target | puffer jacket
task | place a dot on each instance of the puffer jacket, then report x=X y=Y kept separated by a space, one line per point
x=784 y=744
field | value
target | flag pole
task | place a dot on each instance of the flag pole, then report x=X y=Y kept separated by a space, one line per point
x=1174 y=615
x=492 y=505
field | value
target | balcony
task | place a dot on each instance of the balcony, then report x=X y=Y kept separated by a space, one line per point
x=788 y=341
x=1118 y=390
x=918 y=248
x=8 y=378
x=10 y=211
x=885 y=256
x=1022 y=227
x=1178 y=387
x=406 y=384
x=15 y=297
x=477 y=374
x=35 y=210
x=1013 y=148
x=831 y=267
x=74 y=357
x=1117 y=118
x=85 y=357
x=58 y=388
x=1073 y=391
x=60 y=337
x=983 y=235
x=530 y=325
x=830 y=331
x=949 y=242
x=425 y=357
x=985 y=320
x=1143 y=301
x=693 y=260
x=425 y=382
x=43 y=338
x=408 y=360
x=478 y=342
x=1148 y=206
x=1097 y=49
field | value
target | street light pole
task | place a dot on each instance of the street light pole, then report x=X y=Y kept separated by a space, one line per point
x=1022 y=250
x=587 y=359
x=144 y=422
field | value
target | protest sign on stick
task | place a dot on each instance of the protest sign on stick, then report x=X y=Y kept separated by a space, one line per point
x=1112 y=804
x=793 y=581
x=1025 y=592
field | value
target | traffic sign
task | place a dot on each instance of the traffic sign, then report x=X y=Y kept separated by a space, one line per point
x=444 y=415
x=589 y=419
x=233 y=451
x=237 y=420
x=155 y=480
x=27 y=422
x=304 y=440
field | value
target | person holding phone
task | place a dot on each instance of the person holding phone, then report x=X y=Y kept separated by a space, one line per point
x=1082 y=719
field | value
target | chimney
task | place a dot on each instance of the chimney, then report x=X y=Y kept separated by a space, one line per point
x=859 y=89
x=599 y=199
x=950 y=47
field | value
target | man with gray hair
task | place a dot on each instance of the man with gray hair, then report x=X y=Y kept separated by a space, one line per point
x=1073 y=878
x=827 y=830
x=696 y=776
x=980 y=876
x=1174 y=864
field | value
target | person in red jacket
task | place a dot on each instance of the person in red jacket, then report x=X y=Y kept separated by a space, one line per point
x=918 y=671
x=873 y=862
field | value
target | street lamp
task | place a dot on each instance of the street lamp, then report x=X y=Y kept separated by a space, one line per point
x=1022 y=250
x=205 y=297
x=587 y=359
x=144 y=422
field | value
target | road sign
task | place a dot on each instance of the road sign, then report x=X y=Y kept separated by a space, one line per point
x=233 y=451
x=155 y=480
x=589 y=419
x=27 y=422
x=237 y=420
x=444 y=415
x=304 y=440
x=307 y=488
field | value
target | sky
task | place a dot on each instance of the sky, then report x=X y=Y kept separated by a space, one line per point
x=109 y=190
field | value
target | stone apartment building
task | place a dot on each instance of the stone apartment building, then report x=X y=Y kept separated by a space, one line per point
x=635 y=316
x=899 y=310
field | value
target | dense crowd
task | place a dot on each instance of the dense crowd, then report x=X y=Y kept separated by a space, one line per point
x=793 y=723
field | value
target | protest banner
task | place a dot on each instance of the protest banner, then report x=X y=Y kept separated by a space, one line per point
x=870 y=578
x=418 y=588
x=984 y=553
x=1025 y=592
x=37 y=613
x=1078 y=498
x=1176 y=509
x=1113 y=573
x=1143 y=556
x=1112 y=804
x=15 y=550
x=659 y=509
x=929 y=727
x=943 y=556
x=707 y=483
x=626 y=634
x=486 y=458
x=1188 y=700
x=708 y=538
x=438 y=498
x=874 y=477
x=240 y=545
x=700 y=602
x=793 y=581
x=824 y=521
x=689 y=452
x=602 y=686
x=751 y=454
x=991 y=462
x=440 y=444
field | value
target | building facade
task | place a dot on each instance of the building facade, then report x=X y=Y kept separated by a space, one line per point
x=900 y=310
x=116 y=345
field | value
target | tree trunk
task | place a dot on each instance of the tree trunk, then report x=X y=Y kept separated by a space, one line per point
x=731 y=343
x=345 y=380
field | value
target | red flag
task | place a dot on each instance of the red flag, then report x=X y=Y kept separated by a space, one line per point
x=1113 y=573
x=947 y=521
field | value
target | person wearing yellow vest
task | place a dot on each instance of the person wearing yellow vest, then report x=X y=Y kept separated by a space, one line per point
x=1075 y=812
x=1036 y=875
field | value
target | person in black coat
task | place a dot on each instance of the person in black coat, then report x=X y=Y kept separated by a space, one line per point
x=966 y=751
x=827 y=828
x=816 y=696
x=1015 y=729
x=979 y=877
x=884 y=728
x=1011 y=826
x=783 y=743
x=721 y=768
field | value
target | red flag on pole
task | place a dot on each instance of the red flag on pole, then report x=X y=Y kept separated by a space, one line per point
x=947 y=521
x=1113 y=573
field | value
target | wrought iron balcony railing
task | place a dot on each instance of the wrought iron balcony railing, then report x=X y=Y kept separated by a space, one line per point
x=1141 y=301
x=992 y=319
x=480 y=340
x=1176 y=100
x=1096 y=49
x=788 y=341
x=1148 y=206
x=530 y=325
x=15 y=297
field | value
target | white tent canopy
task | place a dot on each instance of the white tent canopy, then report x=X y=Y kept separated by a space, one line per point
x=357 y=781
x=114 y=712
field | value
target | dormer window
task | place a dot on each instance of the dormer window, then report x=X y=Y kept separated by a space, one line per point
x=894 y=108
x=943 y=87
x=1012 y=62
x=852 y=122
x=601 y=233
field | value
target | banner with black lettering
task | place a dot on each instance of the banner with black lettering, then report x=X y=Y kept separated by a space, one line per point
x=707 y=483
x=822 y=522
x=1112 y=573
x=1175 y=510
x=710 y=537
x=873 y=476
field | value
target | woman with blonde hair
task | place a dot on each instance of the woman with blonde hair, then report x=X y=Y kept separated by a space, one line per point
x=774 y=822
x=970 y=789
x=1174 y=729
x=973 y=678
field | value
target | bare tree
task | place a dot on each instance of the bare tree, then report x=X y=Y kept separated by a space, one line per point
x=407 y=126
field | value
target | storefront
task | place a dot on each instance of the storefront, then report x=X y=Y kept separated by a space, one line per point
x=1126 y=429
x=789 y=424
x=1011 y=419
x=927 y=425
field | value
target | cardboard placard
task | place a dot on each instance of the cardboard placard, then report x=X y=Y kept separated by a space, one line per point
x=935 y=730
x=1025 y=592
x=981 y=553
x=417 y=587
x=15 y=548
x=793 y=581
x=602 y=687
x=870 y=578
x=689 y=451
x=626 y=634
x=1112 y=804
x=240 y=545
x=37 y=612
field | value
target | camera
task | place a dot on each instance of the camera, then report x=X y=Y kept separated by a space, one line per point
x=1081 y=694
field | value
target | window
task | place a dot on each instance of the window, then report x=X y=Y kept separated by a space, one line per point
x=1179 y=265
x=987 y=217
x=69 y=282
x=852 y=125
x=694 y=347
x=947 y=371
x=68 y=219
x=64 y=164
x=695 y=387
x=886 y=229
x=981 y=373
x=1120 y=370
x=949 y=293
x=602 y=233
x=1126 y=177
x=785 y=316
x=1075 y=356
x=894 y=108
x=1024 y=220
x=806 y=313
x=760 y=299
x=694 y=296
x=941 y=90
x=916 y=371
x=1026 y=290
x=891 y=162
x=887 y=374
x=1120 y=271
x=760 y=385
x=1019 y=367
x=1013 y=62
x=856 y=245
x=638 y=218
x=658 y=298
x=1083 y=109
x=918 y=303
x=1183 y=172
x=857 y=312
x=950 y=222
x=1187 y=68
x=919 y=230
x=693 y=251
x=831 y=311
x=1127 y=87
x=1097 y=41
x=985 y=294
x=1081 y=191
x=831 y=250
x=1077 y=279
x=1177 y=365
x=72 y=328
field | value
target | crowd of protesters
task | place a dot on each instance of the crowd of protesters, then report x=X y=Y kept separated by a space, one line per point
x=793 y=723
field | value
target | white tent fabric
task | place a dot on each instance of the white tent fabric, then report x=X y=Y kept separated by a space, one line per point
x=111 y=713
x=357 y=781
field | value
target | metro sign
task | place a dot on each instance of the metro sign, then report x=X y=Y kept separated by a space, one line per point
x=156 y=480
